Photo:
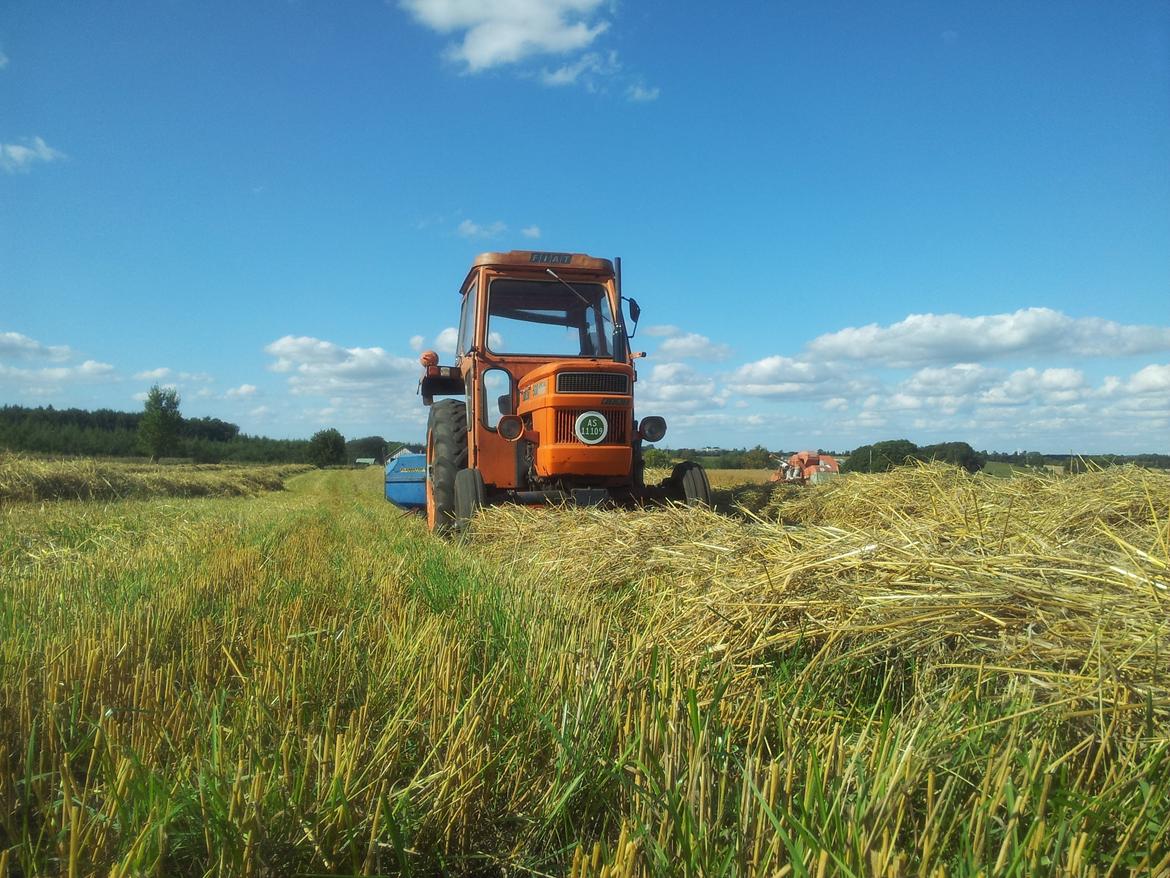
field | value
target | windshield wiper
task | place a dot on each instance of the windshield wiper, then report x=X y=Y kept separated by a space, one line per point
x=573 y=289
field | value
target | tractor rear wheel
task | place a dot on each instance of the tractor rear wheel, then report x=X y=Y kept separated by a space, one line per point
x=688 y=484
x=470 y=495
x=446 y=456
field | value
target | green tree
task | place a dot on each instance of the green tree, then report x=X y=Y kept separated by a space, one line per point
x=367 y=446
x=158 y=431
x=327 y=448
x=958 y=453
x=756 y=458
x=880 y=457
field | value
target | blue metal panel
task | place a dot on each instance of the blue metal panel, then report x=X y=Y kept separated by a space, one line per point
x=406 y=481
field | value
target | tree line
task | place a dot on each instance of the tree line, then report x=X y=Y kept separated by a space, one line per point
x=160 y=430
x=883 y=456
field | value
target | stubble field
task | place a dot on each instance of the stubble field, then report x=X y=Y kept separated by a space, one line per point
x=924 y=673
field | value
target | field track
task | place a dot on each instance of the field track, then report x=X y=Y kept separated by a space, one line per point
x=304 y=681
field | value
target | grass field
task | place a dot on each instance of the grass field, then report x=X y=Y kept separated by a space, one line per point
x=918 y=674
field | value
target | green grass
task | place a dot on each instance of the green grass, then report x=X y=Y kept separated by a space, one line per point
x=305 y=682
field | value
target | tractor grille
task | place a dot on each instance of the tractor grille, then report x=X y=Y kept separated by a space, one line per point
x=617 y=421
x=593 y=382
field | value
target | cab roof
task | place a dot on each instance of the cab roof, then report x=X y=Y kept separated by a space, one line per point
x=538 y=260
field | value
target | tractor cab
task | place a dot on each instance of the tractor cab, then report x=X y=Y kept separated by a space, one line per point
x=543 y=381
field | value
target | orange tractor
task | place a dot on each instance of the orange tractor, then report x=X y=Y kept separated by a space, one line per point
x=807 y=467
x=543 y=382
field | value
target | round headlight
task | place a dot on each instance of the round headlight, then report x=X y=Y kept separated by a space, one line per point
x=510 y=427
x=653 y=428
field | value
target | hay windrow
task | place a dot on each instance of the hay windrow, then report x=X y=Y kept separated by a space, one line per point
x=25 y=479
x=1059 y=582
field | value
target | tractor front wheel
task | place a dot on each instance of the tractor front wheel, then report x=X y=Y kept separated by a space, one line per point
x=470 y=495
x=688 y=484
x=446 y=456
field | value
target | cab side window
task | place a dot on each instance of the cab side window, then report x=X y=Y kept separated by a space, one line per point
x=467 y=323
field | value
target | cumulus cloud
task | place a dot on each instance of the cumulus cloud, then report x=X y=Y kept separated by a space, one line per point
x=779 y=376
x=1150 y=379
x=322 y=367
x=693 y=346
x=585 y=69
x=1025 y=385
x=664 y=330
x=90 y=370
x=242 y=392
x=639 y=93
x=491 y=33
x=16 y=158
x=470 y=229
x=153 y=374
x=13 y=345
x=936 y=338
x=34 y=369
x=368 y=388
x=672 y=388
x=960 y=378
x=446 y=340
x=417 y=342
x=530 y=231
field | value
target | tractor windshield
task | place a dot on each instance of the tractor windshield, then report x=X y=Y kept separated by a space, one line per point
x=549 y=318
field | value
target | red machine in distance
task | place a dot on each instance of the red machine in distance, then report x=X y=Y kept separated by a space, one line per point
x=807 y=467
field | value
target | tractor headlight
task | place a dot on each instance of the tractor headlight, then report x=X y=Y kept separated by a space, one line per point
x=511 y=427
x=652 y=429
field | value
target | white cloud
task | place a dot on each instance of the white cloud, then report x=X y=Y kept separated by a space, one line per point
x=693 y=346
x=663 y=330
x=470 y=229
x=3 y=60
x=446 y=340
x=490 y=33
x=959 y=378
x=299 y=352
x=153 y=374
x=530 y=231
x=1150 y=379
x=241 y=392
x=90 y=370
x=780 y=376
x=318 y=367
x=369 y=389
x=639 y=93
x=672 y=388
x=13 y=345
x=417 y=342
x=197 y=377
x=1025 y=385
x=937 y=338
x=586 y=69
x=18 y=158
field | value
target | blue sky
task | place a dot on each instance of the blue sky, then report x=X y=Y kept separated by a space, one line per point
x=844 y=223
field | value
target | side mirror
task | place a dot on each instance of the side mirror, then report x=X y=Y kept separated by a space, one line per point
x=635 y=313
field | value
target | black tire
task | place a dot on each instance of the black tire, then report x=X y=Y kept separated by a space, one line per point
x=688 y=484
x=446 y=456
x=470 y=495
